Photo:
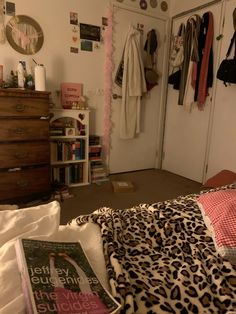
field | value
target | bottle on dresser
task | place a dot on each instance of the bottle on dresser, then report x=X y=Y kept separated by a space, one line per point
x=20 y=75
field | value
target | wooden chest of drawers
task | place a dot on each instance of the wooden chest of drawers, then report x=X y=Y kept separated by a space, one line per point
x=24 y=144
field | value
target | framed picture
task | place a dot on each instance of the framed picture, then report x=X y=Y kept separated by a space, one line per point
x=70 y=131
x=90 y=32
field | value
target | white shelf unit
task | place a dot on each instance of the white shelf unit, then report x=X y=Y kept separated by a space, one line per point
x=70 y=163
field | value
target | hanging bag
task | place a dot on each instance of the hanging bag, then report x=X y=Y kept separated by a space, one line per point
x=151 y=75
x=227 y=68
x=177 y=52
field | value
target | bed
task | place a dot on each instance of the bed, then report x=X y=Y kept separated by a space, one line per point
x=155 y=258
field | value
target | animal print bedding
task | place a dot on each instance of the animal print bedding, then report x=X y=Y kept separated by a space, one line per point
x=161 y=258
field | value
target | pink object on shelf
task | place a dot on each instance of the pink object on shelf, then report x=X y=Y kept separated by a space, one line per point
x=70 y=93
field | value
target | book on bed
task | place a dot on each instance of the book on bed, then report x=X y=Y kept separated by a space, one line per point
x=58 y=278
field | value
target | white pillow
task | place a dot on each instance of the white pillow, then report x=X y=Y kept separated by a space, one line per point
x=40 y=222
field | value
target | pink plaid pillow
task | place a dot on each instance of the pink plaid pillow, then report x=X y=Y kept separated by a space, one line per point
x=219 y=213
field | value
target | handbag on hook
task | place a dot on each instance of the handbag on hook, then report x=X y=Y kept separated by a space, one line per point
x=227 y=68
x=177 y=52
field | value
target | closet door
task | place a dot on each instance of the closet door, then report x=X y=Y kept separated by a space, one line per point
x=140 y=152
x=186 y=134
x=223 y=140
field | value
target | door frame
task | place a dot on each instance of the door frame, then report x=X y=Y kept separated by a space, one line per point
x=163 y=95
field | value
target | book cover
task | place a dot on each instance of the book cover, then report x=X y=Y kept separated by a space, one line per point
x=58 y=278
x=70 y=93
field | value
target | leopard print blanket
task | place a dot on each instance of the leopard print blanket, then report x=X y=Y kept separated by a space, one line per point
x=161 y=258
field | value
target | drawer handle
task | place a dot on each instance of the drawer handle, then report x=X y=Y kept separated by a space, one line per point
x=22 y=155
x=20 y=107
x=19 y=130
x=22 y=183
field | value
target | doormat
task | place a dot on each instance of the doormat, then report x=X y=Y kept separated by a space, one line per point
x=122 y=186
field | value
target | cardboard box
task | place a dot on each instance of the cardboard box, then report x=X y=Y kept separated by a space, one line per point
x=122 y=186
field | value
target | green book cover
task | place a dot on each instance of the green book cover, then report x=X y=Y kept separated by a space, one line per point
x=58 y=278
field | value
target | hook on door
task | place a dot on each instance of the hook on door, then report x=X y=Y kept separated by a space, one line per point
x=115 y=96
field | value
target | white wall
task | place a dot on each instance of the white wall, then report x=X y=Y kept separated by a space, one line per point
x=61 y=65
x=178 y=6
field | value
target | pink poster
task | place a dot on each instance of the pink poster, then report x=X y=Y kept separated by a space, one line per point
x=70 y=93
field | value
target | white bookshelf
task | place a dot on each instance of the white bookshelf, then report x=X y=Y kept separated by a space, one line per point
x=69 y=144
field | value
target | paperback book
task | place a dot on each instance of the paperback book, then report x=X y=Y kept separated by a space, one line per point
x=58 y=278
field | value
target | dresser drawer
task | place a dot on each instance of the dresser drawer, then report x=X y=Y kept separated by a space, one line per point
x=24 y=183
x=20 y=107
x=23 y=129
x=24 y=154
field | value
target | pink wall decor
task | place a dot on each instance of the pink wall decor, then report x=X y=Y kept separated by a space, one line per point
x=108 y=68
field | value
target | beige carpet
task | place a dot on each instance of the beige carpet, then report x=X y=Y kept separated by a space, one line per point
x=150 y=186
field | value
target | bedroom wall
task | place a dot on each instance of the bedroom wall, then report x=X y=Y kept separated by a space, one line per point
x=61 y=65
x=84 y=67
x=178 y=6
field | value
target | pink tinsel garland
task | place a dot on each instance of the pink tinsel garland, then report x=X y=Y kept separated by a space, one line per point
x=108 y=82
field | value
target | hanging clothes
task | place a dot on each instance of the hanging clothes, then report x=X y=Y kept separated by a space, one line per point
x=205 y=68
x=150 y=48
x=133 y=86
x=186 y=94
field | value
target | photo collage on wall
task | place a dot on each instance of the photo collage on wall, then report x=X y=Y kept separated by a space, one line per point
x=85 y=37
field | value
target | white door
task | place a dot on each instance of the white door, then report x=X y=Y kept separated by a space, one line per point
x=223 y=140
x=186 y=134
x=140 y=152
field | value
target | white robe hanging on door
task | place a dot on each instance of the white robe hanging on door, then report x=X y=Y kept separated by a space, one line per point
x=133 y=86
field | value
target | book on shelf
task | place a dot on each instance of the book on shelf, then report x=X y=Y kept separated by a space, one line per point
x=94 y=140
x=98 y=170
x=95 y=148
x=67 y=150
x=69 y=174
x=58 y=278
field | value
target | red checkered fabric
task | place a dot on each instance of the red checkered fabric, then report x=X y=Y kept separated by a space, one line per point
x=220 y=208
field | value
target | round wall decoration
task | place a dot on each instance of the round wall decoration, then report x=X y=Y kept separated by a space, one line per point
x=153 y=3
x=24 y=34
x=143 y=4
x=164 y=6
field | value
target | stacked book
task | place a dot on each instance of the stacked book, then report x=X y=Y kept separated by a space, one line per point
x=94 y=140
x=62 y=193
x=98 y=172
x=57 y=128
x=95 y=152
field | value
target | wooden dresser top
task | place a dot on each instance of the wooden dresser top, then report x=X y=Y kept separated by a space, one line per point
x=16 y=92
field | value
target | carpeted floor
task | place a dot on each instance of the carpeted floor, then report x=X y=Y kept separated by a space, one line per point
x=150 y=186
